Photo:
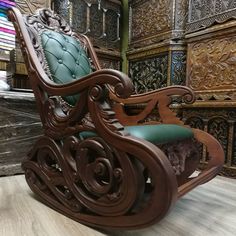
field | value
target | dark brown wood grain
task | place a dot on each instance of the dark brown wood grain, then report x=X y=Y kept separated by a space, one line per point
x=113 y=180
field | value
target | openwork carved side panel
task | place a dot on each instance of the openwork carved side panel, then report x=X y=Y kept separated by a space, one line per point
x=203 y=14
x=212 y=64
x=150 y=18
x=178 y=67
x=149 y=74
x=30 y=6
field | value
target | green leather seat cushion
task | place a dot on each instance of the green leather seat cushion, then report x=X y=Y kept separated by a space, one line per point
x=66 y=58
x=157 y=134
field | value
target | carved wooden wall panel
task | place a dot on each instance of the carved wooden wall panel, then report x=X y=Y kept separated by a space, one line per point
x=203 y=14
x=211 y=68
x=150 y=73
x=154 y=21
x=146 y=14
x=157 y=67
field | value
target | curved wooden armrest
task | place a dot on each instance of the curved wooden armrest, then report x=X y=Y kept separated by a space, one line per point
x=91 y=87
x=160 y=99
x=183 y=91
x=121 y=83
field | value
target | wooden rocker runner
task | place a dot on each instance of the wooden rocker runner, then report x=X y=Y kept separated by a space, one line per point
x=95 y=163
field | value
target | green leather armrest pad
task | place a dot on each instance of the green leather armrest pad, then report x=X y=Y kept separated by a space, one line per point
x=157 y=134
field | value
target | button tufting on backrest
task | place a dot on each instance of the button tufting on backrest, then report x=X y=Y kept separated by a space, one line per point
x=66 y=58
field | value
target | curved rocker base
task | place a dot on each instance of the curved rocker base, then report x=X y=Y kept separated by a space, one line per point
x=48 y=169
x=126 y=202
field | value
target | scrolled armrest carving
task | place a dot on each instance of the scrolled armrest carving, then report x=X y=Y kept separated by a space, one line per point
x=160 y=99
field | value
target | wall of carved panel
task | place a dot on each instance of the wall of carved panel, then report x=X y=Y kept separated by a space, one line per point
x=167 y=67
x=221 y=123
x=212 y=68
x=203 y=14
x=153 y=21
x=149 y=73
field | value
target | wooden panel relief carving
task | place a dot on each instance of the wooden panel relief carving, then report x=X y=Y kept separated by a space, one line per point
x=29 y=6
x=212 y=64
x=150 y=17
x=204 y=13
x=149 y=74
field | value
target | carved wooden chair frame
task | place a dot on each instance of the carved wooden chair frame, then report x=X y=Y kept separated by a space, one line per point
x=113 y=180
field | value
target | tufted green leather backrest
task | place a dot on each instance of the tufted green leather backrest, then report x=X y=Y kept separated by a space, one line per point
x=66 y=59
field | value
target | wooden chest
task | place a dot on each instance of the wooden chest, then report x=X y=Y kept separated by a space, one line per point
x=20 y=127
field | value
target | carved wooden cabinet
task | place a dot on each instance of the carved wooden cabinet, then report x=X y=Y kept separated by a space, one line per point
x=203 y=14
x=155 y=21
x=211 y=73
x=157 y=52
x=157 y=67
x=100 y=21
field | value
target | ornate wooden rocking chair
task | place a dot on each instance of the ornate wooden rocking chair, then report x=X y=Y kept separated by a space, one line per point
x=95 y=163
